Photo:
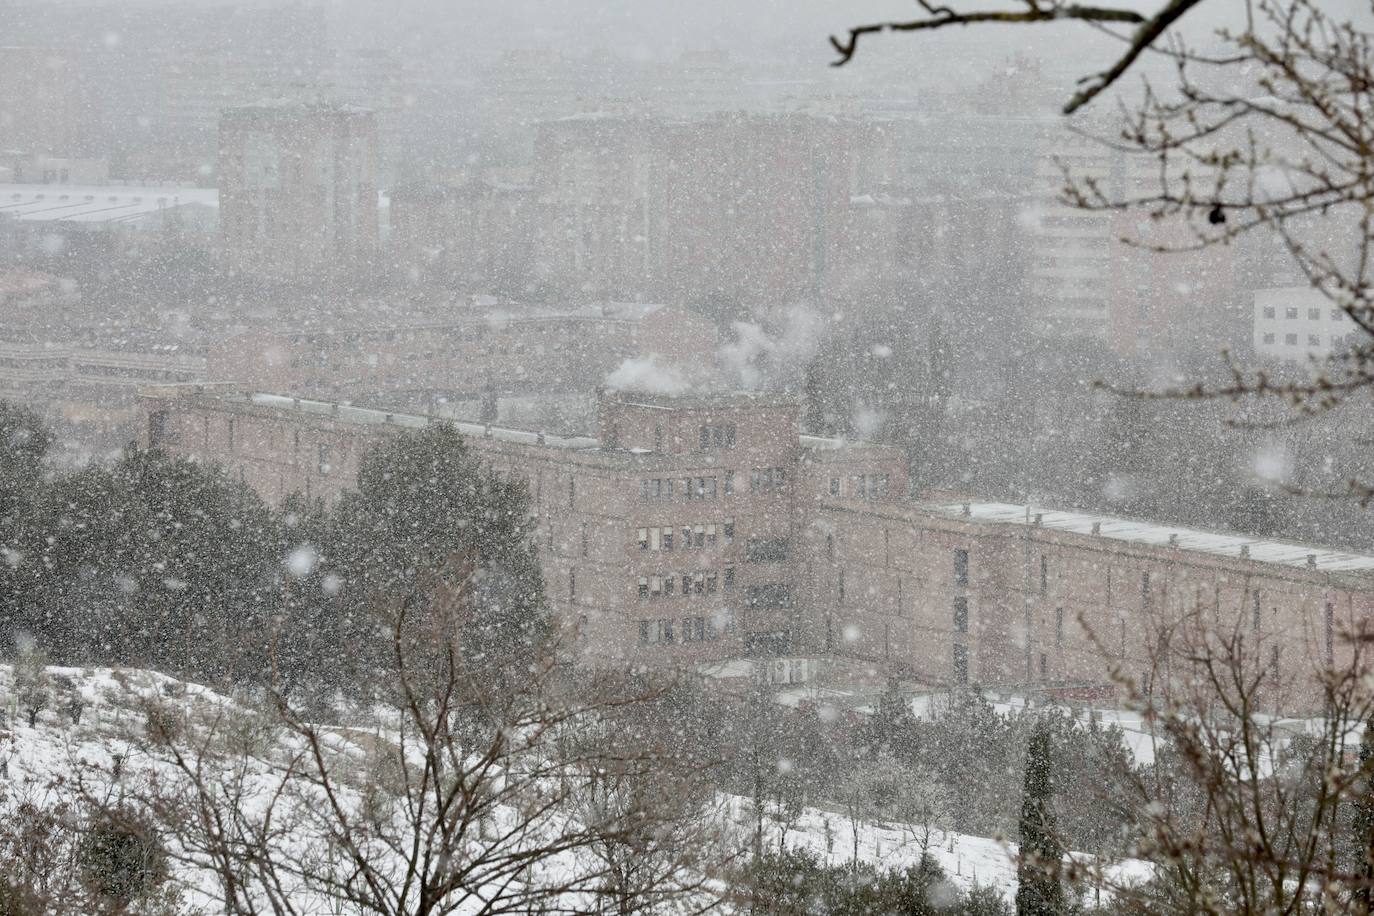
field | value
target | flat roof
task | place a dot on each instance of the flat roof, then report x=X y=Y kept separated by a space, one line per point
x=1153 y=534
x=96 y=203
x=369 y=416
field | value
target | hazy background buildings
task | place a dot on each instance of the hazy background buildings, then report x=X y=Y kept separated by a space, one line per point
x=413 y=208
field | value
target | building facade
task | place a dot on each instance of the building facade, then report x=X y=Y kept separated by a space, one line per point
x=298 y=189
x=692 y=530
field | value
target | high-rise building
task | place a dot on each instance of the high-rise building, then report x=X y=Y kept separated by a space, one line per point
x=298 y=189
x=40 y=100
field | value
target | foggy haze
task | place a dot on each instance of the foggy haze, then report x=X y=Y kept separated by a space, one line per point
x=595 y=456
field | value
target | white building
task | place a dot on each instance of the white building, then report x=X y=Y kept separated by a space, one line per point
x=1298 y=323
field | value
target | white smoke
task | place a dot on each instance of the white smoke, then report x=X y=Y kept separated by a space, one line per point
x=645 y=374
x=756 y=358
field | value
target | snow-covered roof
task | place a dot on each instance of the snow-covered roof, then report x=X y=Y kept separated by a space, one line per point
x=96 y=203
x=368 y=415
x=1156 y=535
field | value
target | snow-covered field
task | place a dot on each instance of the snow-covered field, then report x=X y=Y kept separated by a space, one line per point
x=42 y=761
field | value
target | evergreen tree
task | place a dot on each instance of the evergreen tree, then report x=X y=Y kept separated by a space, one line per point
x=1363 y=824
x=24 y=441
x=157 y=562
x=424 y=506
x=1039 y=892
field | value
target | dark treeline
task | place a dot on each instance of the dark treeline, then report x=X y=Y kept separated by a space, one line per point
x=164 y=563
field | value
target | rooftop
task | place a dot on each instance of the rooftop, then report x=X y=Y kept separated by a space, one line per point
x=96 y=203
x=1153 y=534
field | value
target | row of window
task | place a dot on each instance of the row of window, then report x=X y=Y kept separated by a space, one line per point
x=691 y=487
x=1313 y=314
x=862 y=486
x=1313 y=340
x=722 y=436
x=692 y=629
x=699 y=583
x=665 y=537
x=761 y=480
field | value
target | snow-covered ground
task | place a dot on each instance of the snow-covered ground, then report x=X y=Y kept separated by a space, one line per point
x=40 y=760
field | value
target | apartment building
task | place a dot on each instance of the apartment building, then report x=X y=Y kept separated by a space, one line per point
x=698 y=529
x=1299 y=324
x=998 y=594
x=298 y=188
x=669 y=537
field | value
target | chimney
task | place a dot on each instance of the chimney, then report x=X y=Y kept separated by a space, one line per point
x=1245 y=551
x=1097 y=527
x=1173 y=539
x=1038 y=517
x=968 y=510
x=1311 y=561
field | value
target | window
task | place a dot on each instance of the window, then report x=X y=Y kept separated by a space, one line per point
x=1059 y=628
x=1314 y=314
x=700 y=487
x=722 y=436
x=841 y=588
x=830 y=546
x=1290 y=313
x=231 y=436
x=711 y=583
x=157 y=428
x=643 y=587
x=710 y=535
x=768 y=596
x=1044 y=575
x=729 y=483
x=667 y=537
x=1044 y=666
x=657 y=488
x=322 y=453
x=729 y=577
x=1337 y=314
x=655 y=586
x=1255 y=612
x=834 y=486
x=766 y=480
x=1274 y=662
x=728 y=530
x=693 y=629
x=961 y=614
x=960 y=664
x=961 y=567
x=572 y=585
x=668 y=586
x=1290 y=339
x=773 y=550
x=1269 y=338
x=584 y=539
x=655 y=631
x=572 y=491
x=698 y=583
x=700 y=537
x=643 y=539
x=658 y=437
x=1314 y=340
x=1268 y=311
x=1145 y=589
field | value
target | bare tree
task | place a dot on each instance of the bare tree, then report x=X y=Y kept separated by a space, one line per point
x=1244 y=810
x=462 y=799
